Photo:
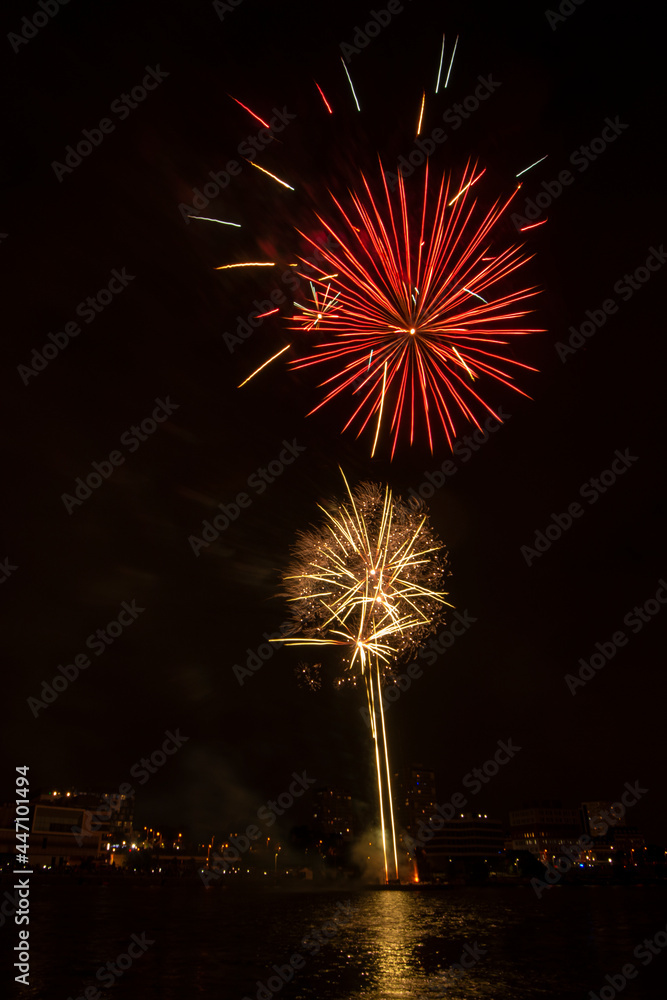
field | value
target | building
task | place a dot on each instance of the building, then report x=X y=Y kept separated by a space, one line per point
x=56 y=835
x=543 y=829
x=109 y=814
x=415 y=798
x=468 y=847
x=613 y=840
x=333 y=813
x=597 y=817
x=467 y=836
x=62 y=835
x=67 y=828
x=629 y=847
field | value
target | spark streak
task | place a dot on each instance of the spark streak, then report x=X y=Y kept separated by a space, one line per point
x=349 y=78
x=485 y=301
x=532 y=226
x=264 y=365
x=442 y=56
x=323 y=97
x=250 y=263
x=256 y=117
x=451 y=62
x=257 y=167
x=472 y=374
x=204 y=218
x=464 y=189
x=421 y=113
x=526 y=169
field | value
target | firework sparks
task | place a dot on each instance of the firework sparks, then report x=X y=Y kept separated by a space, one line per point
x=247 y=263
x=417 y=316
x=257 y=370
x=328 y=106
x=312 y=317
x=256 y=117
x=465 y=188
x=526 y=169
x=442 y=56
x=451 y=62
x=204 y=218
x=269 y=174
x=368 y=579
x=349 y=80
x=421 y=114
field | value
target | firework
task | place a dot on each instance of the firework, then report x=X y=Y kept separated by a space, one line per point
x=410 y=298
x=368 y=579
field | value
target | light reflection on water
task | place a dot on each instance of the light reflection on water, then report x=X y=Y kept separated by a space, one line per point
x=384 y=945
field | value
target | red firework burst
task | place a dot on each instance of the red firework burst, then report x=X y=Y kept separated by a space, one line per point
x=409 y=307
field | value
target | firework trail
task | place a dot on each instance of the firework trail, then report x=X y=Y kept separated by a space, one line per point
x=368 y=579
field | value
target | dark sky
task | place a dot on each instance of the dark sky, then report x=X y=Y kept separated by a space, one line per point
x=162 y=336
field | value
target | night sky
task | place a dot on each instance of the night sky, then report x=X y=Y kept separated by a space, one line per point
x=69 y=568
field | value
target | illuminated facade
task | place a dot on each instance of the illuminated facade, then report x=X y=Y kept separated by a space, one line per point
x=415 y=797
x=109 y=814
x=333 y=813
x=543 y=829
x=467 y=847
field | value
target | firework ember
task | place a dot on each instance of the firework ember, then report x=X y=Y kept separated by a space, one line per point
x=414 y=302
x=368 y=579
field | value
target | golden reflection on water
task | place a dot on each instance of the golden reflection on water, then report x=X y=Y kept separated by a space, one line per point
x=391 y=938
x=413 y=945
